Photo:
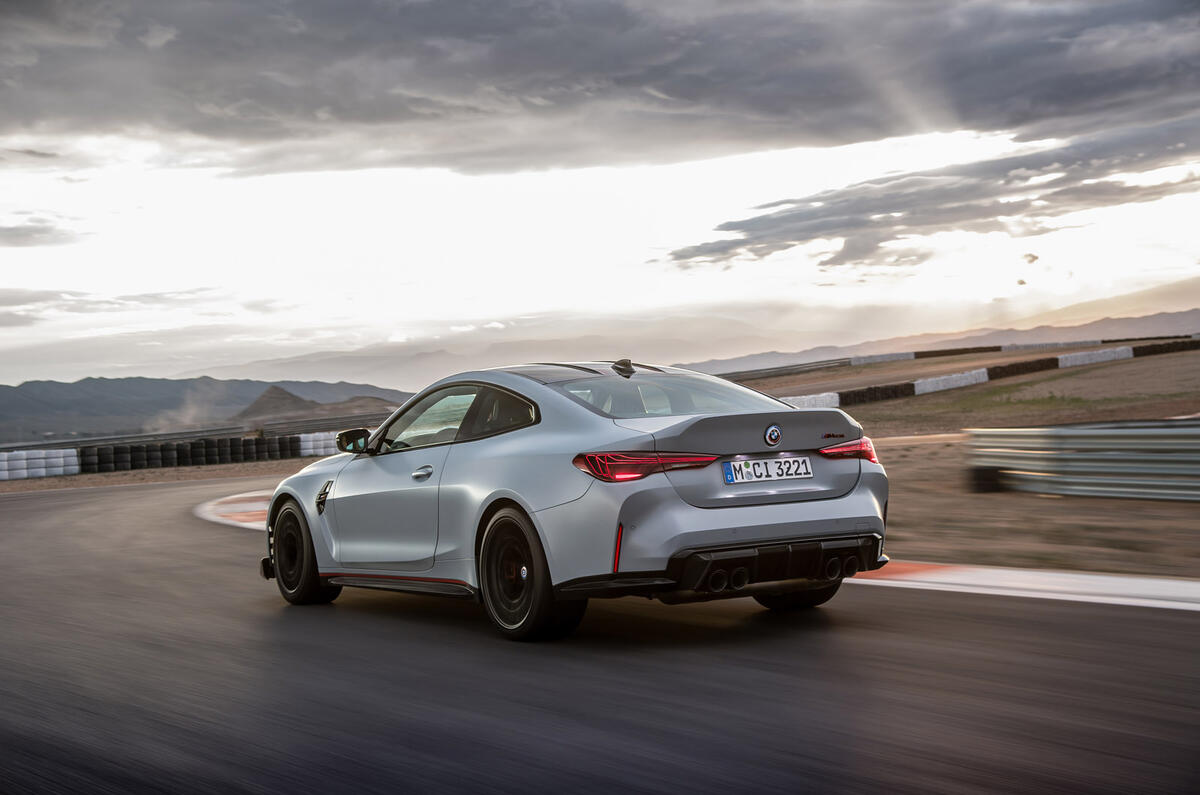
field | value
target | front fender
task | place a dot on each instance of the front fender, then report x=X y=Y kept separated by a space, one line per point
x=303 y=488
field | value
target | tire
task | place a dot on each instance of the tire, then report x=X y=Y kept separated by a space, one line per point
x=797 y=600
x=514 y=582
x=295 y=561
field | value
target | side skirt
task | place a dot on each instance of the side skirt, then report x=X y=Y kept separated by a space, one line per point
x=407 y=584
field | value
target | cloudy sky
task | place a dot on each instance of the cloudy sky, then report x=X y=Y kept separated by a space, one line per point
x=193 y=184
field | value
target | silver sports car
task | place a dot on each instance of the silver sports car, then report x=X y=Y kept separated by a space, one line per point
x=536 y=487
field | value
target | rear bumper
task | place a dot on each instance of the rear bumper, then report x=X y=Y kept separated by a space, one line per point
x=657 y=526
x=700 y=574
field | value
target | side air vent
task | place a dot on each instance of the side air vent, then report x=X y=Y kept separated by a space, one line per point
x=322 y=495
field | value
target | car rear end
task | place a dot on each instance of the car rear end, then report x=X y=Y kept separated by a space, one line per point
x=711 y=505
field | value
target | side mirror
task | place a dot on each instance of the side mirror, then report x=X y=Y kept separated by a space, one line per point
x=354 y=441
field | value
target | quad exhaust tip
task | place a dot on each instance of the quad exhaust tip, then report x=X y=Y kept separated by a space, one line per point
x=850 y=567
x=739 y=578
x=833 y=567
x=717 y=581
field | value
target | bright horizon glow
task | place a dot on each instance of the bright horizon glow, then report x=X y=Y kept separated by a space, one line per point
x=339 y=259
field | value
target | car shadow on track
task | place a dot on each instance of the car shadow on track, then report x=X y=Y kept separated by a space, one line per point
x=609 y=623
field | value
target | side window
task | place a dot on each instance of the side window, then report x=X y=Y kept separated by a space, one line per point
x=497 y=411
x=435 y=419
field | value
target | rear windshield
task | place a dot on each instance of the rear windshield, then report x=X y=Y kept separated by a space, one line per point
x=664 y=395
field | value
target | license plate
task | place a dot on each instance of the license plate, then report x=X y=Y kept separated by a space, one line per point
x=756 y=469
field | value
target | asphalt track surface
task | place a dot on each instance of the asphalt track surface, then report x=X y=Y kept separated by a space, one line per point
x=140 y=651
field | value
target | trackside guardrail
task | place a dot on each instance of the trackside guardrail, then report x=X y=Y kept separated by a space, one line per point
x=76 y=442
x=318 y=424
x=1157 y=460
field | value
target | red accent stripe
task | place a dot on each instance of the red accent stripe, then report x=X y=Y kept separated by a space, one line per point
x=617 y=553
x=390 y=577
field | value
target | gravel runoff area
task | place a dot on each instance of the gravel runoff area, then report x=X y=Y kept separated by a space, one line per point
x=932 y=515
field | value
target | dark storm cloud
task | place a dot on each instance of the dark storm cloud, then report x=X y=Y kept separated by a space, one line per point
x=35 y=233
x=1018 y=195
x=482 y=85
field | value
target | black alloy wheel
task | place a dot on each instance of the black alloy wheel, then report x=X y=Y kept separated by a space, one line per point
x=295 y=561
x=515 y=582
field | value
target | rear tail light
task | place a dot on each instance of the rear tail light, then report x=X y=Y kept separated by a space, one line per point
x=620 y=467
x=859 y=448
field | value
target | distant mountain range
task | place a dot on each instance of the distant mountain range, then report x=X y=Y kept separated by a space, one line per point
x=95 y=406
x=718 y=337
x=1162 y=324
x=278 y=404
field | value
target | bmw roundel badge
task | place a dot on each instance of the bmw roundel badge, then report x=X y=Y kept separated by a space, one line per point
x=773 y=435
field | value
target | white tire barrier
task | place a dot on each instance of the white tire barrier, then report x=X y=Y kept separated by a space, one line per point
x=923 y=386
x=25 y=464
x=320 y=444
x=1095 y=357
x=824 y=400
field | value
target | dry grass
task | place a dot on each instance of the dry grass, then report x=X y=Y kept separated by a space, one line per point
x=1151 y=387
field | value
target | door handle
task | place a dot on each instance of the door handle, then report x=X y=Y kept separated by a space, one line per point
x=423 y=472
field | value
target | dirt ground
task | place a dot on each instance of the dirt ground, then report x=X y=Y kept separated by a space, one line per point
x=1151 y=387
x=932 y=516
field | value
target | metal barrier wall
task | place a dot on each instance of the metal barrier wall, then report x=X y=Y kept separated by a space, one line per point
x=1145 y=460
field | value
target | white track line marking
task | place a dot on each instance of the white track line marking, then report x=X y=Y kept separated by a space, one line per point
x=1071 y=586
x=1063 y=597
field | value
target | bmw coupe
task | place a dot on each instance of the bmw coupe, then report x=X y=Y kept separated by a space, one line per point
x=536 y=487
